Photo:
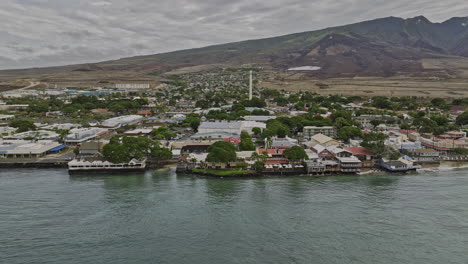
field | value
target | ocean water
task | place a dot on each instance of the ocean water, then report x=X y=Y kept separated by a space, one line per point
x=47 y=216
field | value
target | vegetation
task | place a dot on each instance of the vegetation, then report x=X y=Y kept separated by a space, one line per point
x=23 y=125
x=162 y=133
x=296 y=153
x=246 y=143
x=122 y=149
x=221 y=152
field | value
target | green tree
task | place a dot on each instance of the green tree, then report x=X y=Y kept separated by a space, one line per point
x=22 y=125
x=221 y=152
x=375 y=142
x=122 y=149
x=246 y=143
x=257 y=131
x=348 y=132
x=295 y=153
x=162 y=133
x=258 y=166
x=462 y=119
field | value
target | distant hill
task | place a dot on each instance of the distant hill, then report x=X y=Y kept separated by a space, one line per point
x=381 y=47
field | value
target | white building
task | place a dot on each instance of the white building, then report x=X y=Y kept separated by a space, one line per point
x=6 y=117
x=38 y=135
x=119 y=121
x=80 y=135
x=133 y=86
x=26 y=149
x=232 y=127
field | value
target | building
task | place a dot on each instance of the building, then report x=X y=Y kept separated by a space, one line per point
x=217 y=136
x=80 y=135
x=365 y=120
x=90 y=148
x=116 y=122
x=310 y=131
x=320 y=139
x=232 y=127
x=400 y=165
x=424 y=155
x=139 y=132
x=368 y=159
x=27 y=149
x=37 y=135
x=6 y=117
x=132 y=86
x=85 y=166
x=258 y=118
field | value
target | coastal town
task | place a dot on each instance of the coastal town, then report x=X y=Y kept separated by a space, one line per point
x=226 y=124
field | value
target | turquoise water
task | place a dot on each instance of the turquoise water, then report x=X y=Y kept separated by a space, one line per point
x=46 y=216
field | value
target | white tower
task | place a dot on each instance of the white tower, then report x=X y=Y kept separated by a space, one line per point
x=250 y=86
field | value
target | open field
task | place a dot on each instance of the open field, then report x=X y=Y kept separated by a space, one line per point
x=80 y=79
x=377 y=87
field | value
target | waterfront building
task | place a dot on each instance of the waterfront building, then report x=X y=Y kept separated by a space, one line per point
x=367 y=158
x=88 y=166
x=401 y=165
x=424 y=155
x=28 y=149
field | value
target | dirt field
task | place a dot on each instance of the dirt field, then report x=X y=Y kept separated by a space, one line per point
x=377 y=87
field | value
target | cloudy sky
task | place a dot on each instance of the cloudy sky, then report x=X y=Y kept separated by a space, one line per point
x=38 y=33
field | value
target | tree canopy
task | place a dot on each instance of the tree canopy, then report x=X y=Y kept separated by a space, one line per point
x=221 y=152
x=246 y=143
x=122 y=149
x=295 y=153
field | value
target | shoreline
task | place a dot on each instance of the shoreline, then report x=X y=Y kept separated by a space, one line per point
x=443 y=166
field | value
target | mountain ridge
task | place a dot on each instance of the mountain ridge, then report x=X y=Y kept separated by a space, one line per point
x=379 y=47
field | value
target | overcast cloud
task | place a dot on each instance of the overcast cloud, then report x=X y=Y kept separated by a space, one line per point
x=39 y=33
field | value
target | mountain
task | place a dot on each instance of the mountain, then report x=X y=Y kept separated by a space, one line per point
x=380 y=47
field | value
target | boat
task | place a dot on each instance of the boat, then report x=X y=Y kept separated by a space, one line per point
x=83 y=166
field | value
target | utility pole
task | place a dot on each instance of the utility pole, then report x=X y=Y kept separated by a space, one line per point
x=251 y=86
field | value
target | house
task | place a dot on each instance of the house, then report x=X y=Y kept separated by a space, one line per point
x=424 y=155
x=100 y=111
x=322 y=152
x=457 y=110
x=144 y=112
x=400 y=165
x=368 y=159
x=233 y=140
x=310 y=131
x=320 y=139
x=285 y=143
